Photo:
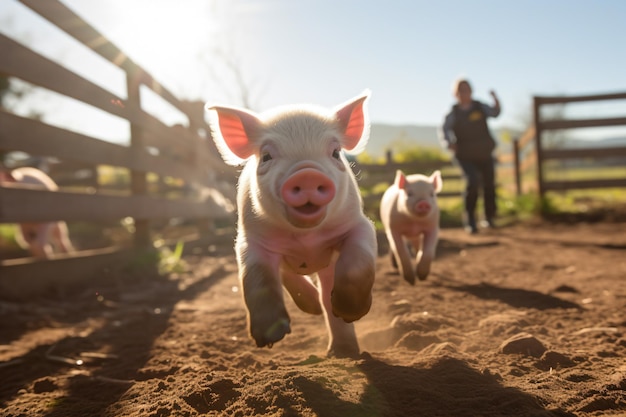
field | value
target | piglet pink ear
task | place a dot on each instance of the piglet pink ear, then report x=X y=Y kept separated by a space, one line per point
x=435 y=178
x=233 y=130
x=354 y=122
x=400 y=180
x=7 y=176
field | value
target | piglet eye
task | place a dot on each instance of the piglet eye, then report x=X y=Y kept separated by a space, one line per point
x=336 y=154
x=266 y=156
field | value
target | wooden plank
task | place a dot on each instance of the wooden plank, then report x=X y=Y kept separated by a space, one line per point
x=37 y=138
x=72 y=24
x=408 y=168
x=596 y=153
x=527 y=137
x=573 y=99
x=578 y=123
x=19 y=61
x=538 y=147
x=506 y=158
x=370 y=199
x=25 y=204
x=157 y=134
x=25 y=278
x=65 y=19
x=584 y=184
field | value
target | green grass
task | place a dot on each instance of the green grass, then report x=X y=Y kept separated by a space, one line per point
x=7 y=236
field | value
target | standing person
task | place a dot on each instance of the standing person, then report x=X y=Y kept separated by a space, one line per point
x=465 y=132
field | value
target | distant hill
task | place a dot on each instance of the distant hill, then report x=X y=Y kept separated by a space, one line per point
x=383 y=135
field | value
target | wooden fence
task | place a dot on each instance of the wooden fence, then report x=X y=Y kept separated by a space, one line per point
x=544 y=155
x=184 y=153
x=531 y=154
x=517 y=164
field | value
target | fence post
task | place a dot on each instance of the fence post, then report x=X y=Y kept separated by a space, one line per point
x=206 y=225
x=518 y=179
x=538 y=149
x=389 y=156
x=138 y=179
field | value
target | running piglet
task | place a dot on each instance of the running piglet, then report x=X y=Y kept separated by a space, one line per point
x=300 y=217
x=410 y=214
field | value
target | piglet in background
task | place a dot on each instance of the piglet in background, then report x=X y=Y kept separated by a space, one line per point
x=41 y=239
x=300 y=217
x=409 y=213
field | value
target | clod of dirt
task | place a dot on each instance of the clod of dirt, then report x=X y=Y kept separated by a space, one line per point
x=423 y=322
x=523 y=343
x=416 y=341
x=553 y=360
x=503 y=323
x=566 y=289
x=44 y=385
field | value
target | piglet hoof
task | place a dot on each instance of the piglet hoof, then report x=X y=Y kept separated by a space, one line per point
x=348 y=307
x=270 y=332
x=410 y=278
x=344 y=351
x=422 y=271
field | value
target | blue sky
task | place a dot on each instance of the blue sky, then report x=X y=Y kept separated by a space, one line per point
x=326 y=51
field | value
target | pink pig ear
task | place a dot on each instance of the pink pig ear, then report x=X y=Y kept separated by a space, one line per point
x=435 y=178
x=400 y=180
x=354 y=121
x=232 y=130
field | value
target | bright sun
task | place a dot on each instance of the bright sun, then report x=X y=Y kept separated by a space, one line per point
x=164 y=35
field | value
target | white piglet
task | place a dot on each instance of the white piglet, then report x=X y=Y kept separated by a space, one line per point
x=41 y=239
x=300 y=216
x=410 y=214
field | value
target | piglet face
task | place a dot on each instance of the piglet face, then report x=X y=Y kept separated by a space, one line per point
x=301 y=173
x=418 y=193
x=294 y=165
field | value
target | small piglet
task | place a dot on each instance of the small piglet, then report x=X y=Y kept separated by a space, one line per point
x=409 y=213
x=300 y=215
x=41 y=239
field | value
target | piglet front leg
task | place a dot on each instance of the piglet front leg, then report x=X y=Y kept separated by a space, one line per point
x=354 y=274
x=401 y=255
x=263 y=295
x=426 y=255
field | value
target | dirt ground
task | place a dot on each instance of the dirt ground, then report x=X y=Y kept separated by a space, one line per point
x=526 y=320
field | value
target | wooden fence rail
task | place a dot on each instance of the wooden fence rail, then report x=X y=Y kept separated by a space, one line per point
x=185 y=153
x=543 y=155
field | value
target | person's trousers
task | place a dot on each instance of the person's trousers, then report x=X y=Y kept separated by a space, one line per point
x=475 y=174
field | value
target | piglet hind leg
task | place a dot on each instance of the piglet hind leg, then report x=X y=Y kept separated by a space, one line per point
x=342 y=336
x=303 y=292
x=426 y=255
x=351 y=296
x=263 y=295
x=400 y=252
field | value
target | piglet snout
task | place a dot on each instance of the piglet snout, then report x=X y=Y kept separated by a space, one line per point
x=308 y=186
x=422 y=207
x=306 y=194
